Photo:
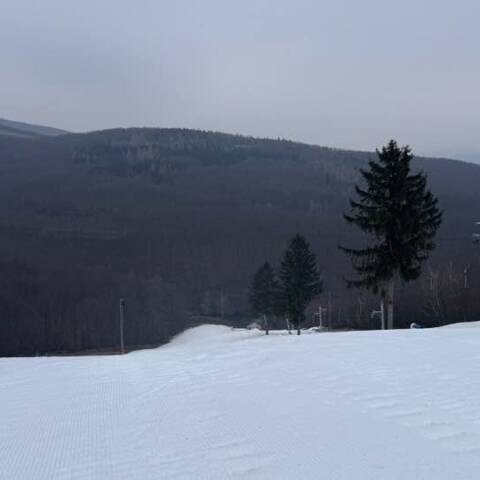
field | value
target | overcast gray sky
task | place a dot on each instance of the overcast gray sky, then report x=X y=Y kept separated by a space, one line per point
x=344 y=73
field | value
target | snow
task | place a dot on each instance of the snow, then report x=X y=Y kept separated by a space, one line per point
x=218 y=403
x=463 y=325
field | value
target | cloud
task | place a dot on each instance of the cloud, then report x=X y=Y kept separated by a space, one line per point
x=343 y=73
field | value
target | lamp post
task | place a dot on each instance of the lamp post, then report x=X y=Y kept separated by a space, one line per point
x=321 y=311
x=380 y=313
x=122 y=321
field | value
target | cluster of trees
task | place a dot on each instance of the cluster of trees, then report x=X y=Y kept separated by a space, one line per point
x=288 y=295
x=400 y=217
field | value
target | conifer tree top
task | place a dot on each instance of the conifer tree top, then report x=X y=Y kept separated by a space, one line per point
x=300 y=279
x=263 y=290
x=399 y=213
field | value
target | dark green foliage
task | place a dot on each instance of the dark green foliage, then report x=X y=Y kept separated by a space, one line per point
x=399 y=213
x=264 y=292
x=300 y=280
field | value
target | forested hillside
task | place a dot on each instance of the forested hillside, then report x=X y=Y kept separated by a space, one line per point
x=20 y=129
x=177 y=221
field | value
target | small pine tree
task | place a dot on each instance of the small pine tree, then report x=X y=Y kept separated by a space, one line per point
x=400 y=214
x=300 y=280
x=263 y=293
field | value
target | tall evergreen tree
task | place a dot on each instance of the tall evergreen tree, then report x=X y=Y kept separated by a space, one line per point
x=400 y=214
x=263 y=293
x=300 y=280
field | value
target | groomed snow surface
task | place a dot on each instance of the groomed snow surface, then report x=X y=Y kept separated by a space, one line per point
x=219 y=403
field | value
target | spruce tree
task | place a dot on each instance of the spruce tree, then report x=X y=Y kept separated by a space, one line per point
x=263 y=293
x=400 y=216
x=300 y=280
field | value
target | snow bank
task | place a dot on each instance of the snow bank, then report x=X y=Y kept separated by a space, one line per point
x=219 y=403
x=208 y=334
x=463 y=325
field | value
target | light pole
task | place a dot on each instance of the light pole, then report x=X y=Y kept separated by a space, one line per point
x=466 y=272
x=321 y=311
x=122 y=321
x=380 y=313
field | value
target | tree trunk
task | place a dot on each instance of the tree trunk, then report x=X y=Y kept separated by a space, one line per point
x=391 y=288
x=265 y=324
x=298 y=330
x=289 y=328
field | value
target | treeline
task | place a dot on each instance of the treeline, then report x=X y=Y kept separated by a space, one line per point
x=400 y=217
x=57 y=311
x=183 y=250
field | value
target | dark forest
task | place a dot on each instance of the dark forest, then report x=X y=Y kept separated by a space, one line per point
x=176 y=222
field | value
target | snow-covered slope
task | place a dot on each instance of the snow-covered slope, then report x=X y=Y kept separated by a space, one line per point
x=219 y=404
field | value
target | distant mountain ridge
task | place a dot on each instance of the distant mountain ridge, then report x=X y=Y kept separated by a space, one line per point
x=21 y=129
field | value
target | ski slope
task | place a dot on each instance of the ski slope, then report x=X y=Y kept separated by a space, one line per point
x=223 y=404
